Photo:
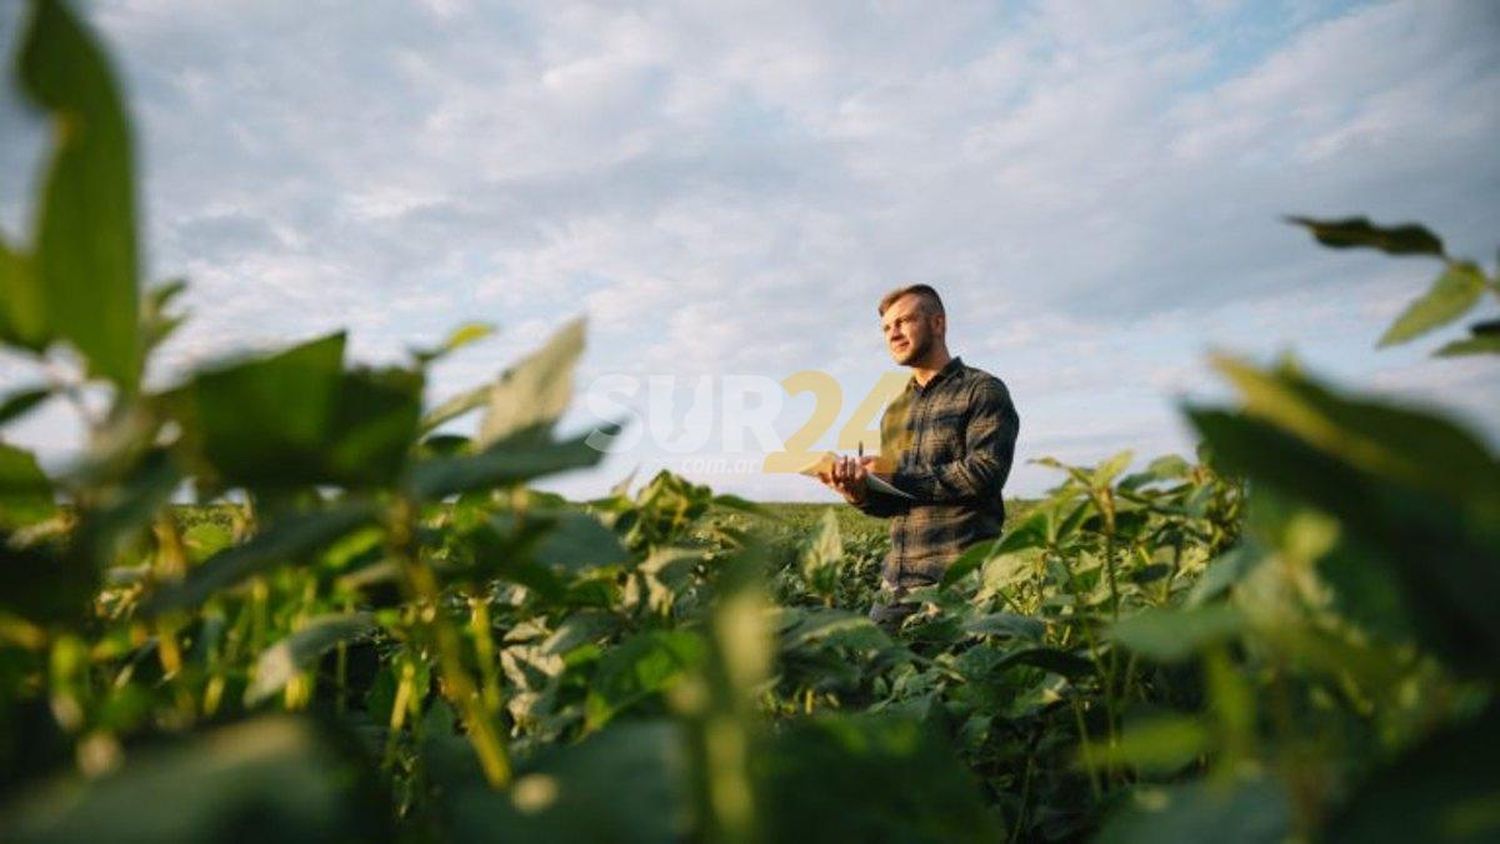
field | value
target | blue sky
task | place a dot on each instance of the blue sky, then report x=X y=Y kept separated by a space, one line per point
x=725 y=190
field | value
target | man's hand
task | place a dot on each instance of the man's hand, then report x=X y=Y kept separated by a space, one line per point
x=848 y=477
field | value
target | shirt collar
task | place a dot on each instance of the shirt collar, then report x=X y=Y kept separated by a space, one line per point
x=950 y=369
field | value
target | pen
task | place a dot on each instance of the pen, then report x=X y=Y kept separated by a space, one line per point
x=861 y=449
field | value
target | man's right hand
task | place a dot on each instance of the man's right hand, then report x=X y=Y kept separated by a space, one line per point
x=849 y=477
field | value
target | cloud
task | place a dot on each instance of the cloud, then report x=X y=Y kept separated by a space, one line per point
x=728 y=187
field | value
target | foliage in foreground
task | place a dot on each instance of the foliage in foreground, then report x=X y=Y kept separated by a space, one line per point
x=390 y=635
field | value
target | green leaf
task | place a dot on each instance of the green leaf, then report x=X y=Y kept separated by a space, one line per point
x=625 y=784
x=1171 y=635
x=1410 y=239
x=1064 y=663
x=1445 y=789
x=569 y=539
x=1419 y=448
x=505 y=463
x=1443 y=544
x=640 y=667
x=1451 y=296
x=23 y=310
x=293 y=538
x=278 y=664
x=819 y=624
x=296 y=419
x=825 y=548
x=233 y=783
x=533 y=394
x=156 y=323
x=469 y=332
x=1253 y=812
x=25 y=491
x=1482 y=344
x=85 y=259
x=1008 y=625
x=867 y=778
x=1110 y=469
x=21 y=402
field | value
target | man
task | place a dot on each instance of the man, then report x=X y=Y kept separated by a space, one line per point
x=948 y=439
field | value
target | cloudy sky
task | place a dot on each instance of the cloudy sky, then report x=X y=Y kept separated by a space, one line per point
x=725 y=189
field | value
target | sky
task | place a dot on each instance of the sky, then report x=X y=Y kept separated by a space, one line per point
x=724 y=191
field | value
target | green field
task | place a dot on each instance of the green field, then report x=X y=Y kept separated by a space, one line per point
x=1289 y=635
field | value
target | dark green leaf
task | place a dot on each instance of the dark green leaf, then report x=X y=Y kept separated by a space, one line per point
x=293 y=538
x=85 y=258
x=1446 y=789
x=21 y=402
x=25 y=491
x=278 y=664
x=867 y=778
x=236 y=783
x=1162 y=745
x=569 y=539
x=1061 y=662
x=1410 y=239
x=1254 y=812
x=1451 y=296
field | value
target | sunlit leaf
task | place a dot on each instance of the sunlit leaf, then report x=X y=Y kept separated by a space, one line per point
x=469 y=332
x=1162 y=745
x=278 y=664
x=533 y=394
x=1451 y=296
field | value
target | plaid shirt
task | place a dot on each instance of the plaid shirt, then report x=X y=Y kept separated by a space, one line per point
x=953 y=442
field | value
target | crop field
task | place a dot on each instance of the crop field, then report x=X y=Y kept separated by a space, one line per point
x=371 y=628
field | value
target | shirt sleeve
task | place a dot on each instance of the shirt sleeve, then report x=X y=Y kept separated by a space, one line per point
x=989 y=449
x=882 y=506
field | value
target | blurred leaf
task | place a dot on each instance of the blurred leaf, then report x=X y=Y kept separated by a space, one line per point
x=469 y=332
x=1445 y=789
x=156 y=323
x=1007 y=624
x=1106 y=472
x=507 y=462
x=1409 y=239
x=23 y=314
x=292 y=538
x=1223 y=572
x=278 y=664
x=1419 y=448
x=205 y=539
x=625 y=784
x=25 y=491
x=825 y=548
x=85 y=262
x=867 y=778
x=1450 y=297
x=1254 y=812
x=1162 y=745
x=295 y=418
x=1479 y=344
x=639 y=667
x=236 y=783
x=1444 y=544
x=569 y=539
x=1064 y=663
x=819 y=624
x=533 y=394
x=44 y=586
x=1170 y=635
x=455 y=407
x=21 y=402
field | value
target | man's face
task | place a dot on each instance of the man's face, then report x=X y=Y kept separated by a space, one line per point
x=909 y=330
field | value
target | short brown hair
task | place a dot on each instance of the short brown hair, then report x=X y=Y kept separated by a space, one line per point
x=929 y=297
